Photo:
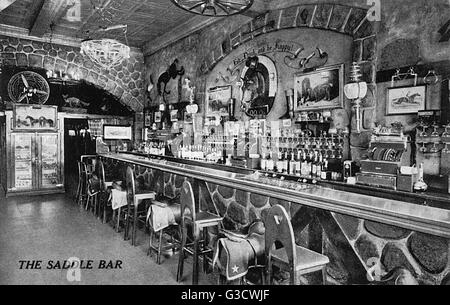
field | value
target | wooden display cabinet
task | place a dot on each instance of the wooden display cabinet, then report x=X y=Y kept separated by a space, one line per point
x=34 y=151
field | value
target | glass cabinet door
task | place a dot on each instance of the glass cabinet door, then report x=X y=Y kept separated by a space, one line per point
x=49 y=161
x=23 y=160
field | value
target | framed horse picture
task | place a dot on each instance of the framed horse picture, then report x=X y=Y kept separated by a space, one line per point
x=320 y=89
x=405 y=100
x=35 y=117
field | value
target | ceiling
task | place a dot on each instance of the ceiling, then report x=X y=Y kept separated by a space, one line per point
x=151 y=23
x=146 y=19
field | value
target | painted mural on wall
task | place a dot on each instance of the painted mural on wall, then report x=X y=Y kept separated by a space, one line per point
x=261 y=70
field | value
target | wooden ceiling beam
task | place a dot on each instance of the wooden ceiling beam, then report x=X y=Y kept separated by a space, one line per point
x=5 y=3
x=50 y=13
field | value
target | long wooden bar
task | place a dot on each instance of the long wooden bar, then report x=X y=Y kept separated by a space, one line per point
x=402 y=214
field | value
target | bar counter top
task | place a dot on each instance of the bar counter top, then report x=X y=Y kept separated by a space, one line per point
x=422 y=218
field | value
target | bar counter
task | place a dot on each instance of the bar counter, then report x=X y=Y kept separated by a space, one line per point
x=403 y=214
x=357 y=228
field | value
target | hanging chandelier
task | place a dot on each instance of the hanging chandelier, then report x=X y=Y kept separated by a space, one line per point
x=107 y=53
x=214 y=8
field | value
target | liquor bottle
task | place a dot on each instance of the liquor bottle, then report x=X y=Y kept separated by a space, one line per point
x=286 y=162
x=292 y=165
x=263 y=161
x=298 y=168
x=280 y=161
x=319 y=166
x=270 y=163
x=304 y=165
x=310 y=161
x=314 y=163
x=324 y=174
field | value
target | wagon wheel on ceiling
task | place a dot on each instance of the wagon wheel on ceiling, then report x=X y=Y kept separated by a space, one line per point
x=214 y=8
x=29 y=86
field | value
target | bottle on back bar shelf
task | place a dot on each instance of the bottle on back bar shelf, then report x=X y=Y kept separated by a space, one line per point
x=304 y=165
x=263 y=161
x=286 y=162
x=269 y=163
x=310 y=161
x=324 y=172
x=280 y=162
x=298 y=169
x=314 y=165
x=292 y=165
x=319 y=166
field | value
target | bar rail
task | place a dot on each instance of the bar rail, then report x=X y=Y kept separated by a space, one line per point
x=402 y=214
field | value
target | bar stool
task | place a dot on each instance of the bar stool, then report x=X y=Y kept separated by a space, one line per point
x=134 y=198
x=93 y=190
x=199 y=221
x=81 y=189
x=291 y=258
x=163 y=218
x=85 y=171
x=104 y=186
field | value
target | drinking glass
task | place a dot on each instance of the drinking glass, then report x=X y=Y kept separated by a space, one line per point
x=423 y=149
x=424 y=127
x=447 y=131
x=446 y=149
x=434 y=149
x=435 y=133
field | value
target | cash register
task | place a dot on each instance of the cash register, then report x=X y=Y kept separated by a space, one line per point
x=389 y=150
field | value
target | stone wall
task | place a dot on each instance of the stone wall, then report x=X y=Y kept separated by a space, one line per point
x=124 y=81
x=425 y=256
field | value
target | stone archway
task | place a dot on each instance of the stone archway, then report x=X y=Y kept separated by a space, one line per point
x=123 y=81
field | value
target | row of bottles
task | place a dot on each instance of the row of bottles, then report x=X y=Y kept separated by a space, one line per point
x=312 y=165
x=200 y=153
x=155 y=148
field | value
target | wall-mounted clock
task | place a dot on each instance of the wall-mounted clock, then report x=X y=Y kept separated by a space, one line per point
x=29 y=87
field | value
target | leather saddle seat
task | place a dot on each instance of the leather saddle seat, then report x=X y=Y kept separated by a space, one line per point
x=235 y=253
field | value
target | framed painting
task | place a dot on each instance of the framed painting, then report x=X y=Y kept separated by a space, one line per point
x=35 y=117
x=319 y=89
x=117 y=132
x=405 y=100
x=217 y=101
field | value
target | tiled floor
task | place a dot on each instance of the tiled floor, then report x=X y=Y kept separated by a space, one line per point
x=53 y=227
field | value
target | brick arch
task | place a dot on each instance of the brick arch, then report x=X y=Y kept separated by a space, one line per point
x=342 y=19
x=124 y=81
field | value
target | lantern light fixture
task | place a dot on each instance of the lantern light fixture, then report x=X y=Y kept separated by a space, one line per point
x=356 y=90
